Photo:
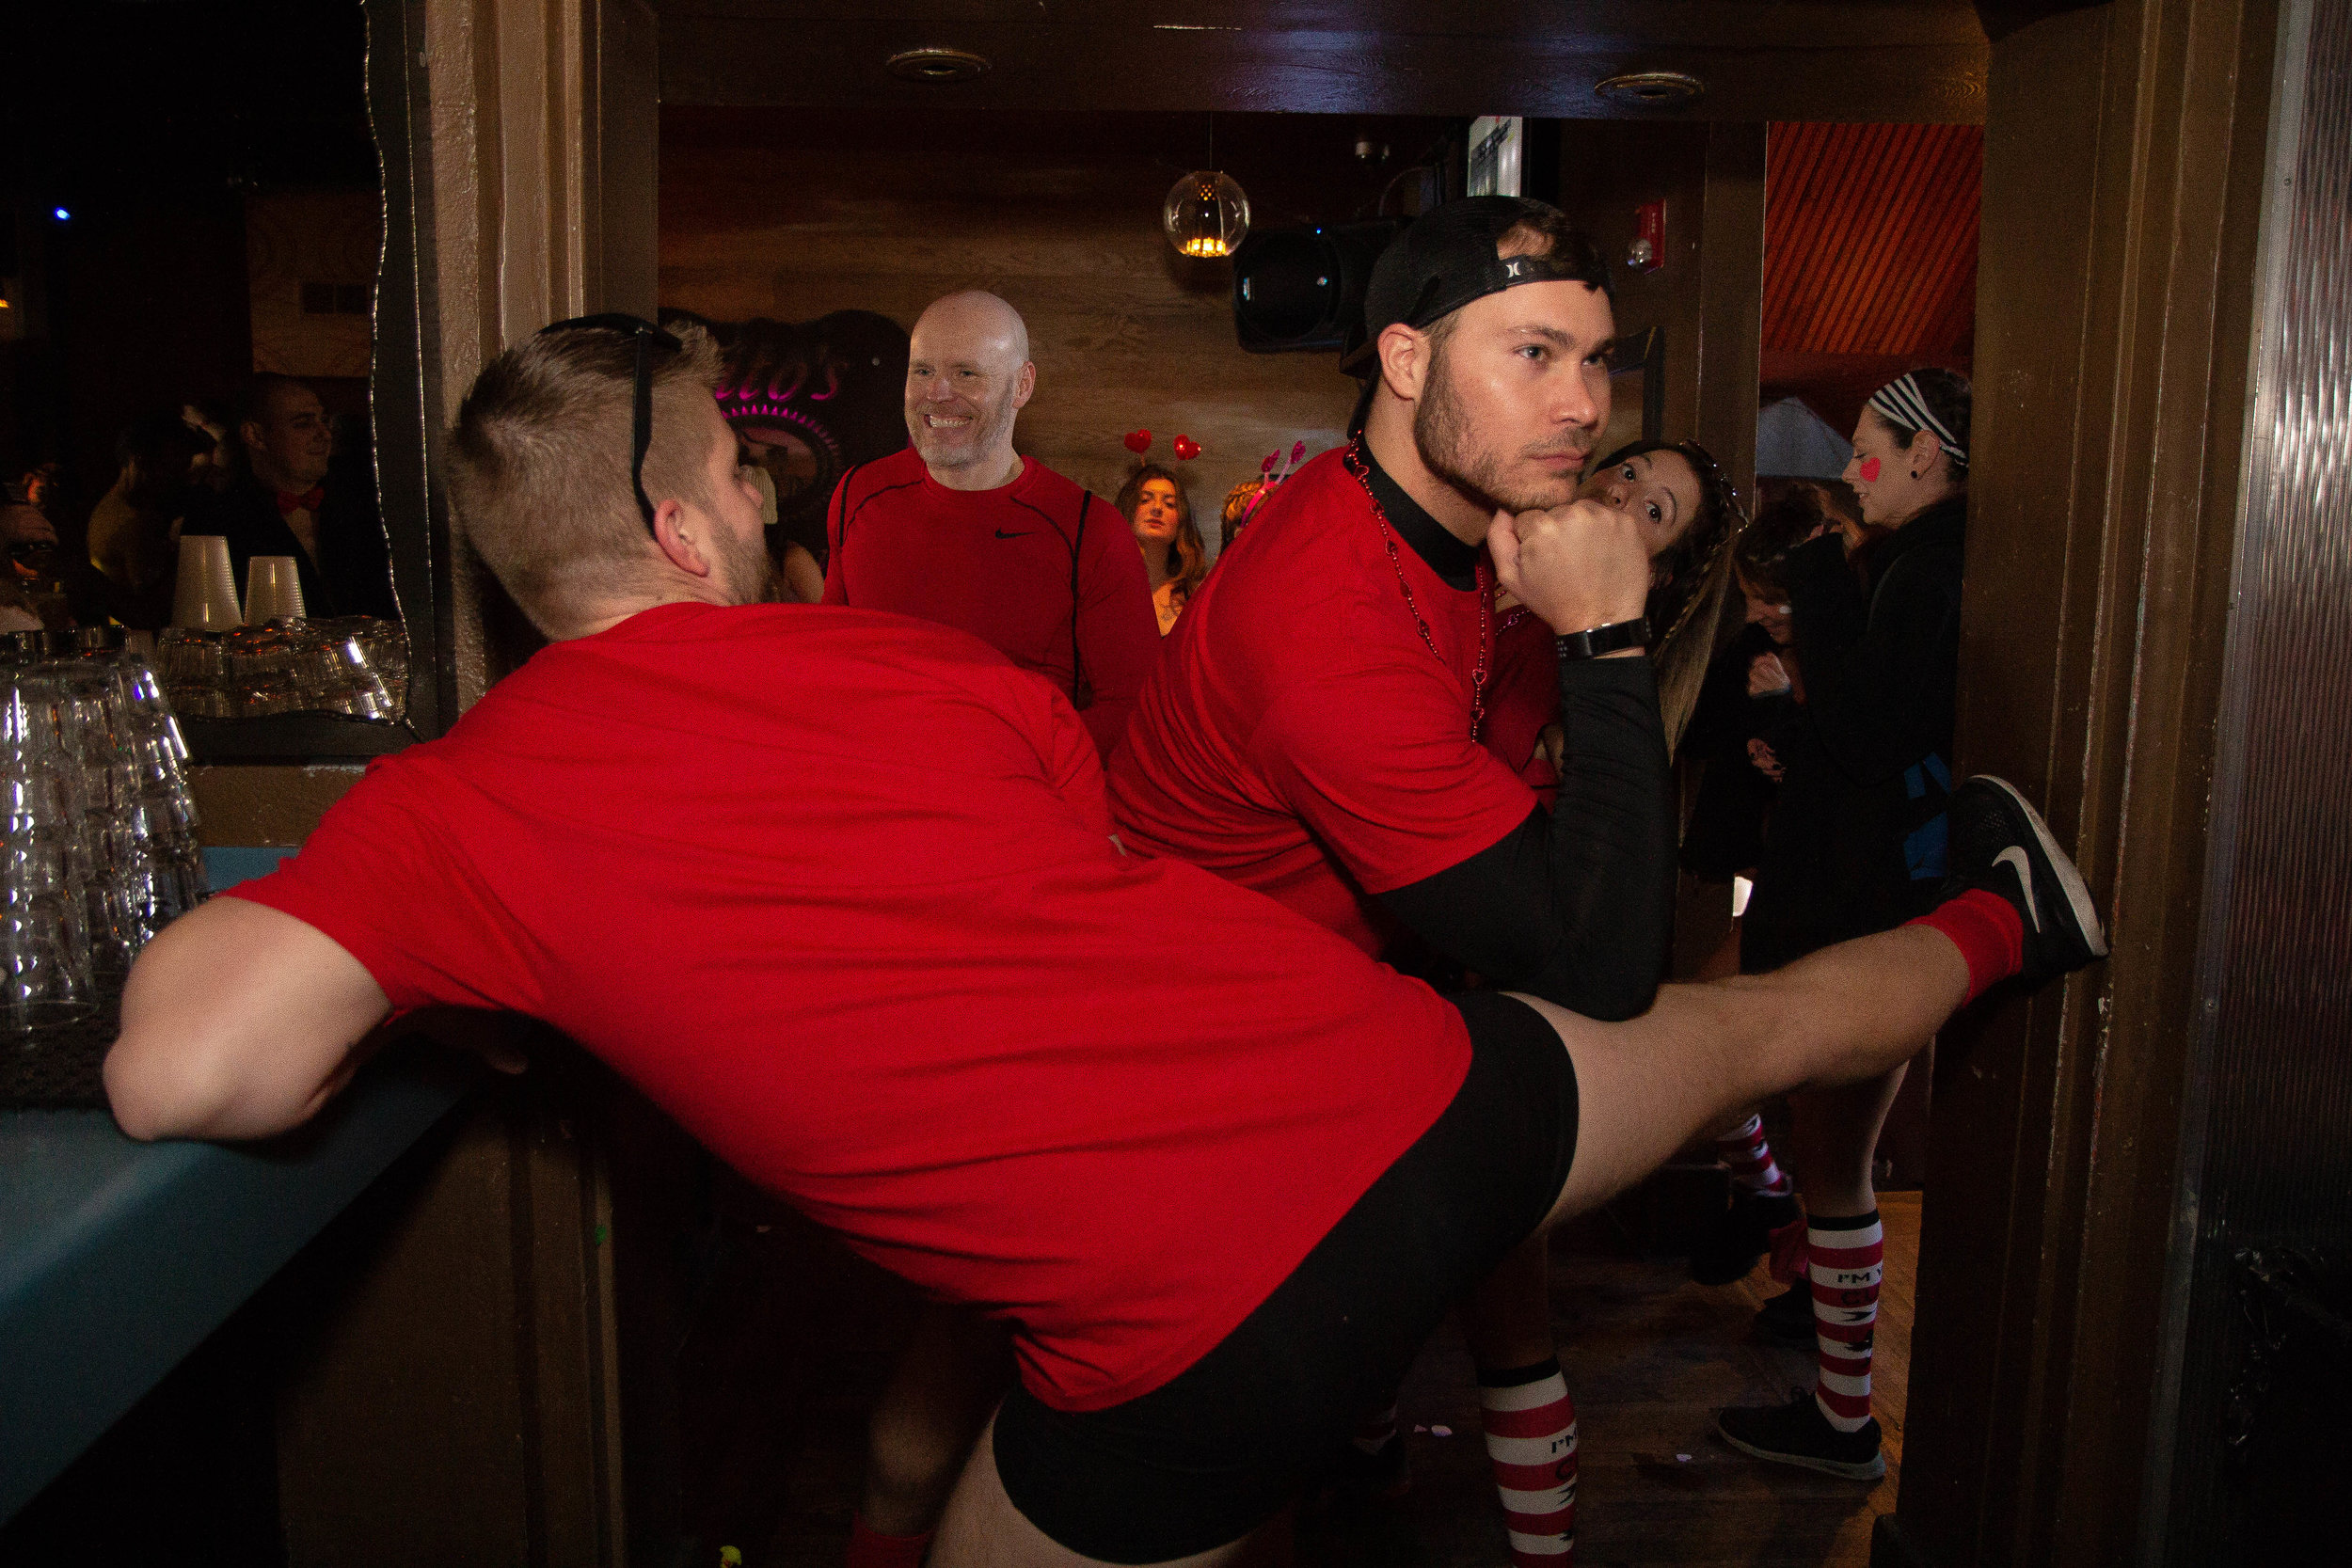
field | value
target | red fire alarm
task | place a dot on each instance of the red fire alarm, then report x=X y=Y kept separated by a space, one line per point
x=1648 y=252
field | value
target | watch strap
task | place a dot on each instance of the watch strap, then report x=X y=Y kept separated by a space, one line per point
x=1597 y=641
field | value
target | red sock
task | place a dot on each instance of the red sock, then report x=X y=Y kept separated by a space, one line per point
x=871 y=1548
x=1530 y=1444
x=1986 y=928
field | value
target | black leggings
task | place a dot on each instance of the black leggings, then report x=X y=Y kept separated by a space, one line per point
x=1216 y=1451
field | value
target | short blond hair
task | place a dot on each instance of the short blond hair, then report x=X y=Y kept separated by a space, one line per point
x=539 y=471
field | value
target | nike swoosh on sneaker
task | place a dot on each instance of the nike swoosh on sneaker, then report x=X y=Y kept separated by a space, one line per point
x=2025 y=880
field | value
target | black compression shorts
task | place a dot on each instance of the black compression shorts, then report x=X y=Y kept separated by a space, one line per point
x=1214 y=1452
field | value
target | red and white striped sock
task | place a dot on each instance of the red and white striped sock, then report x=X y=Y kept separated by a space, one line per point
x=1530 y=1443
x=1750 y=1158
x=1845 y=1259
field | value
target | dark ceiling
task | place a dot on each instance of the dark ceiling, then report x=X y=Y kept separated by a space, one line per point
x=1760 y=59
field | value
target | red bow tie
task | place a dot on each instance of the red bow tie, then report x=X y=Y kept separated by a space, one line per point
x=306 y=501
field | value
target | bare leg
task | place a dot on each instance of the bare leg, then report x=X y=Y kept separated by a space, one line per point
x=1846 y=1014
x=983 y=1529
x=939 y=1397
x=1836 y=1137
x=1722 y=964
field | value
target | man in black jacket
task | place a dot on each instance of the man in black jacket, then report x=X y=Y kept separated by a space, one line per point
x=292 y=497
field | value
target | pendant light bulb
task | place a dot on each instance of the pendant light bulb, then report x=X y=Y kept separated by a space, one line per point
x=1206 y=214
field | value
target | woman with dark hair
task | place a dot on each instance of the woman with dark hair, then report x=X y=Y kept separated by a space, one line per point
x=1690 y=515
x=1157 y=507
x=1855 y=842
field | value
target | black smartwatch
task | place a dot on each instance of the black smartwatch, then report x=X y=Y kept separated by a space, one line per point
x=1603 y=639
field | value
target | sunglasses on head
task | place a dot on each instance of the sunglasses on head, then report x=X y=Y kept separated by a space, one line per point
x=649 y=338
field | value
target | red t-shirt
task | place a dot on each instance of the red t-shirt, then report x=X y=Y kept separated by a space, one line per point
x=915 y=989
x=1007 y=566
x=1299 y=736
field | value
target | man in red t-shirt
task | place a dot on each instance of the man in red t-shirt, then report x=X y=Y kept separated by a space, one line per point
x=961 y=529
x=1314 y=729
x=1215 y=1204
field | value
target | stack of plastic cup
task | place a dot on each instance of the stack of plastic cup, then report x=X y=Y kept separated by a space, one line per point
x=205 y=595
x=46 y=860
x=144 y=828
x=97 y=829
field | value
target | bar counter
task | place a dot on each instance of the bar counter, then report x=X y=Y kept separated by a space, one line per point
x=118 y=1257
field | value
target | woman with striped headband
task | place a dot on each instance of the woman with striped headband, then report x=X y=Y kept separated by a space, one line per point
x=1855 y=842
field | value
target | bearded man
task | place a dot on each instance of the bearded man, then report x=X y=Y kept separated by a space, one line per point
x=1313 y=730
x=963 y=531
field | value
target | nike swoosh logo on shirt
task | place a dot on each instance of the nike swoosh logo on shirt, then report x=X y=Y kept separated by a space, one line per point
x=1002 y=534
x=2025 y=880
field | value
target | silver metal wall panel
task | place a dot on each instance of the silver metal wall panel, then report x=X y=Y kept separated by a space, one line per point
x=2269 y=1121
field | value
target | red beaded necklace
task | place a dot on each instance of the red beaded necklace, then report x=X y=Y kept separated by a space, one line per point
x=1357 y=466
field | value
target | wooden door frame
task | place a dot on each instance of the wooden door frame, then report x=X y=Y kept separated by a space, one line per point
x=2124 y=156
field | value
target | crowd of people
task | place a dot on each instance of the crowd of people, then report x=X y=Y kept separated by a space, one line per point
x=273 y=473
x=1184 y=1227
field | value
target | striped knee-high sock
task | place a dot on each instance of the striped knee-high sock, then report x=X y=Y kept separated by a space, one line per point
x=1845 y=1259
x=1530 y=1443
x=1750 y=1158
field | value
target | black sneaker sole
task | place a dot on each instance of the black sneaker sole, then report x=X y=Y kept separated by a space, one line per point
x=1871 y=1471
x=2061 y=867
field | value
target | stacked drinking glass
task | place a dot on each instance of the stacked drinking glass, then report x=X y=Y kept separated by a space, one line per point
x=100 y=846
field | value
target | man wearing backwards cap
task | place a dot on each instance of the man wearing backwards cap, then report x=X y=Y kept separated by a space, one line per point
x=1312 y=730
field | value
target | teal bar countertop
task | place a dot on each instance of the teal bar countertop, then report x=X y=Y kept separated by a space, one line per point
x=117 y=1257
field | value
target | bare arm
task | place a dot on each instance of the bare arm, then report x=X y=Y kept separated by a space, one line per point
x=238 y=1021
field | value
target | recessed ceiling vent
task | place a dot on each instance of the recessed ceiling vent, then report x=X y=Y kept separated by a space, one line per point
x=1650 y=90
x=938 y=65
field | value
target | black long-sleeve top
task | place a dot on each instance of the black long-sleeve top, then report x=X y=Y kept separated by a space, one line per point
x=1851 y=848
x=1576 y=905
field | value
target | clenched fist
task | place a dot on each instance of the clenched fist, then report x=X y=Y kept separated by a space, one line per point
x=1579 y=566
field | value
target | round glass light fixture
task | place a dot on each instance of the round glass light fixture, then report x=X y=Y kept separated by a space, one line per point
x=1206 y=214
x=938 y=65
x=1650 y=90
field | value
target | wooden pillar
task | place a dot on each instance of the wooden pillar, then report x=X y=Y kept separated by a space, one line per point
x=455 y=1397
x=2124 y=155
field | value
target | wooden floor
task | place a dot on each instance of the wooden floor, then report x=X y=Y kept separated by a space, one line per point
x=776 y=1435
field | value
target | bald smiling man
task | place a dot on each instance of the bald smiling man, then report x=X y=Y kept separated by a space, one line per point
x=963 y=531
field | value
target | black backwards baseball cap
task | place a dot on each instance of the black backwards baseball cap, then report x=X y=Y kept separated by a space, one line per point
x=1447 y=259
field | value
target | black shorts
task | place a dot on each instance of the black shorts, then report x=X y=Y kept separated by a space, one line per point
x=1216 y=1451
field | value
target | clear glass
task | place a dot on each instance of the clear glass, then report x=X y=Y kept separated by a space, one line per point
x=1206 y=214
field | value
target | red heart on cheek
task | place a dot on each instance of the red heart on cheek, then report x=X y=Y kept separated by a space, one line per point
x=1138 y=442
x=1869 y=470
x=1186 y=449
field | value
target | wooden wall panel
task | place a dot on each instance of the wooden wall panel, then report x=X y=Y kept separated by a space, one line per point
x=2123 y=177
x=789 y=215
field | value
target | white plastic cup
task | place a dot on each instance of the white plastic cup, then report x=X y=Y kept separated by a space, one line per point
x=273 y=587
x=206 y=598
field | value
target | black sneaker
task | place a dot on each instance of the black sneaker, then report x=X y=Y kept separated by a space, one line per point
x=2001 y=844
x=1742 y=1234
x=1798 y=1433
x=1786 y=1320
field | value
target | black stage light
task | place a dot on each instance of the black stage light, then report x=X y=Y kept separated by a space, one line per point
x=1302 y=290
